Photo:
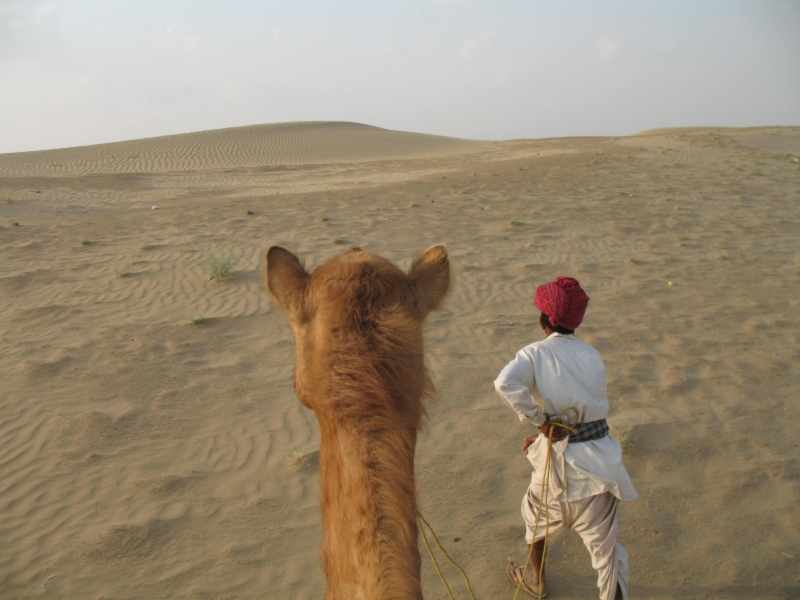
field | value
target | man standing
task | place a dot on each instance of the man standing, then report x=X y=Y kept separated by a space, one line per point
x=587 y=478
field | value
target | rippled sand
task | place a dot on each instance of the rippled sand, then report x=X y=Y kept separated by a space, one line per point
x=147 y=453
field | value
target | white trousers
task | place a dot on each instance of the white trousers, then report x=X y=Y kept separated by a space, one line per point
x=596 y=520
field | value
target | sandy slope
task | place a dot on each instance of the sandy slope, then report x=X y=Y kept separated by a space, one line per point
x=143 y=457
x=272 y=145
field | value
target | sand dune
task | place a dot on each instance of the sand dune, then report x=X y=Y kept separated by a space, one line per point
x=145 y=453
x=280 y=144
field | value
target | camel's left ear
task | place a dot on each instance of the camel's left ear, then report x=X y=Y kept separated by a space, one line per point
x=286 y=279
x=430 y=277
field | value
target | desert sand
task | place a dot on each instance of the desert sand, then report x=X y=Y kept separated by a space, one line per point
x=151 y=445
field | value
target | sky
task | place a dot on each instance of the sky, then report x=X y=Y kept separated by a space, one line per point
x=78 y=72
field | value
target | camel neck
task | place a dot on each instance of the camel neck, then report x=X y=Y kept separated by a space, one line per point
x=369 y=509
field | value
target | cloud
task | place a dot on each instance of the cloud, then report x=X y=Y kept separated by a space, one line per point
x=43 y=14
x=478 y=46
x=232 y=91
x=9 y=9
x=171 y=36
x=609 y=46
x=193 y=42
x=80 y=91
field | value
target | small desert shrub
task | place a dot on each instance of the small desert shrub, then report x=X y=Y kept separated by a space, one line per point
x=301 y=459
x=627 y=440
x=196 y=320
x=338 y=240
x=220 y=266
x=516 y=223
x=249 y=212
x=323 y=219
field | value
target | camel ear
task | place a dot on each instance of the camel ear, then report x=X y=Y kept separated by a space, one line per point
x=286 y=279
x=430 y=275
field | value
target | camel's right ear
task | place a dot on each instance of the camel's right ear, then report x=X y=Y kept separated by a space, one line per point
x=286 y=279
x=430 y=273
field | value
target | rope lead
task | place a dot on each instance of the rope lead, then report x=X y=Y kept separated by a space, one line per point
x=545 y=491
x=421 y=520
x=559 y=422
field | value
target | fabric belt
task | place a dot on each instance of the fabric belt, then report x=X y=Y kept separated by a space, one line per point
x=593 y=430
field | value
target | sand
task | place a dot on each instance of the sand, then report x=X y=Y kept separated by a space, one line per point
x=151 y=445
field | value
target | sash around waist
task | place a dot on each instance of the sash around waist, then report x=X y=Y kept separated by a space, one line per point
x=593 y=430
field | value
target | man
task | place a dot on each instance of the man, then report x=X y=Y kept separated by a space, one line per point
x=587 y=478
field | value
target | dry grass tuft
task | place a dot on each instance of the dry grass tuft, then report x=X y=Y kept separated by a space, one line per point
x=302 y=459
x=220 y=266
x=628 y=441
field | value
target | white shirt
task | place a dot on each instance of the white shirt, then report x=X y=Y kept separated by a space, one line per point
x=564 y=372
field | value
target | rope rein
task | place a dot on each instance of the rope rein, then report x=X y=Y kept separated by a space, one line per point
x=421 y=520
x=542 y=498
x=559 y=422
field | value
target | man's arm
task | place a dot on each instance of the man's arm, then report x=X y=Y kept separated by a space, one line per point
x=514 y=386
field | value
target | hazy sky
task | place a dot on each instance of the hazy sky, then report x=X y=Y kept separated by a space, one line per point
x=77 y=72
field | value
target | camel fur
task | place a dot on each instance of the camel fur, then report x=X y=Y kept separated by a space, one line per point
x=357 y=325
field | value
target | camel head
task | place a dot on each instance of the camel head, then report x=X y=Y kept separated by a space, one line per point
x=357 y=323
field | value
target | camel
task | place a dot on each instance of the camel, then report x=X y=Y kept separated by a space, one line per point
x=357 y=326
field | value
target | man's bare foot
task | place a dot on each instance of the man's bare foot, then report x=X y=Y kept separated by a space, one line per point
x=530 y=580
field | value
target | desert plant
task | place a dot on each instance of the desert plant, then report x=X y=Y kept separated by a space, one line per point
x=627 y=440
x=220 y=266
x=301 y=459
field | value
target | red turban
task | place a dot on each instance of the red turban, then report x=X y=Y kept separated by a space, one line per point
x=563 y=300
